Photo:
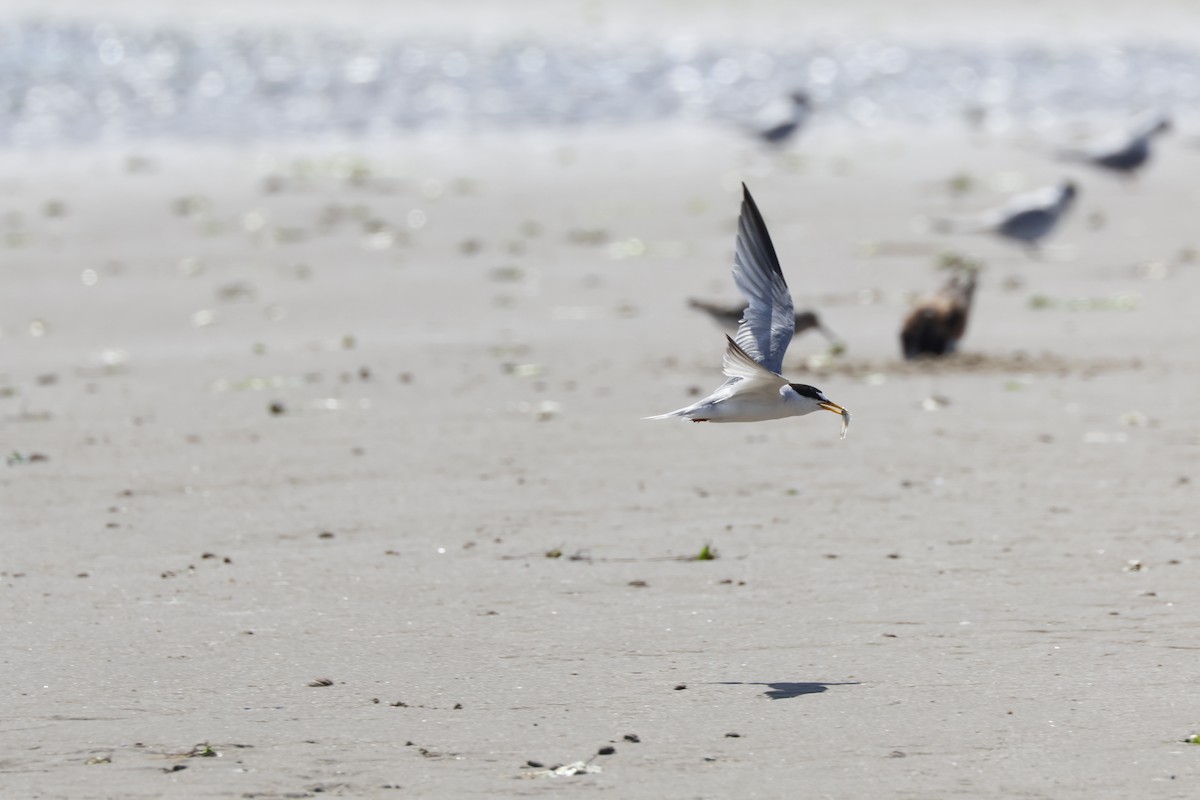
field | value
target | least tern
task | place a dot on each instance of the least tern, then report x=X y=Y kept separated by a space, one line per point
x=1027 y=218
x=783 y=119
x=730 y=316
x=1124 y=152
x=937 y=323
x=755 y=390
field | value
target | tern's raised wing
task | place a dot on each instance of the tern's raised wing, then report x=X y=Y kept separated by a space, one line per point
x=769 y=321
x=740 y=365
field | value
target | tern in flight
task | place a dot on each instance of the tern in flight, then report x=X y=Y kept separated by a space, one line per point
x=755 y=390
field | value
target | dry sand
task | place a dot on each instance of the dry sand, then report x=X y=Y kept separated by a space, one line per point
x=986 y=599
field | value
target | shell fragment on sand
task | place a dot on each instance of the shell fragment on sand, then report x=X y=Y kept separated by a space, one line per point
x=574 y=768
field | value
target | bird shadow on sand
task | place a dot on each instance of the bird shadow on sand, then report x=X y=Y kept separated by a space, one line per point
x=785 y=690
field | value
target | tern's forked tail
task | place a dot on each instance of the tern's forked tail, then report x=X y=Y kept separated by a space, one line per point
x=679 y=412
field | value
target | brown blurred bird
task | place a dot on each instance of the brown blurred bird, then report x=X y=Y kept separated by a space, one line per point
x=939 y=321
x=730 y=316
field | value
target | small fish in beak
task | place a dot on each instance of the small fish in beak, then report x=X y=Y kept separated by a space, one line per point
x=836 y=409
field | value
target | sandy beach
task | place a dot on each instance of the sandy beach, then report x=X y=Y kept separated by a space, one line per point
x=326 y=474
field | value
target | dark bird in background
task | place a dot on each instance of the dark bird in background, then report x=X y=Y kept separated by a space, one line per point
x=937 y=323
x=1124 y=152
x=1026 y=219
x=782 y=120
x=730 y=316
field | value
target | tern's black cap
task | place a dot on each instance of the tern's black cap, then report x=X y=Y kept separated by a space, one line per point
x=804 y=390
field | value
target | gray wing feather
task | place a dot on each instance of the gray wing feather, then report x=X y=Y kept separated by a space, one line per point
x=769 y=322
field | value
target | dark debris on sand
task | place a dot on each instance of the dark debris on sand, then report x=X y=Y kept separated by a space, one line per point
x=972 y=363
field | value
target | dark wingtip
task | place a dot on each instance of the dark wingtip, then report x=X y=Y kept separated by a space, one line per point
x=748 y=201
x=760 y=226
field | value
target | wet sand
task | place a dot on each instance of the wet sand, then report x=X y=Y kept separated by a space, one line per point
x=369 y=415
x=759 y=21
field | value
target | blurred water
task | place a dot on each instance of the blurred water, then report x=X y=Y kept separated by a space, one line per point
x=62 y=82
